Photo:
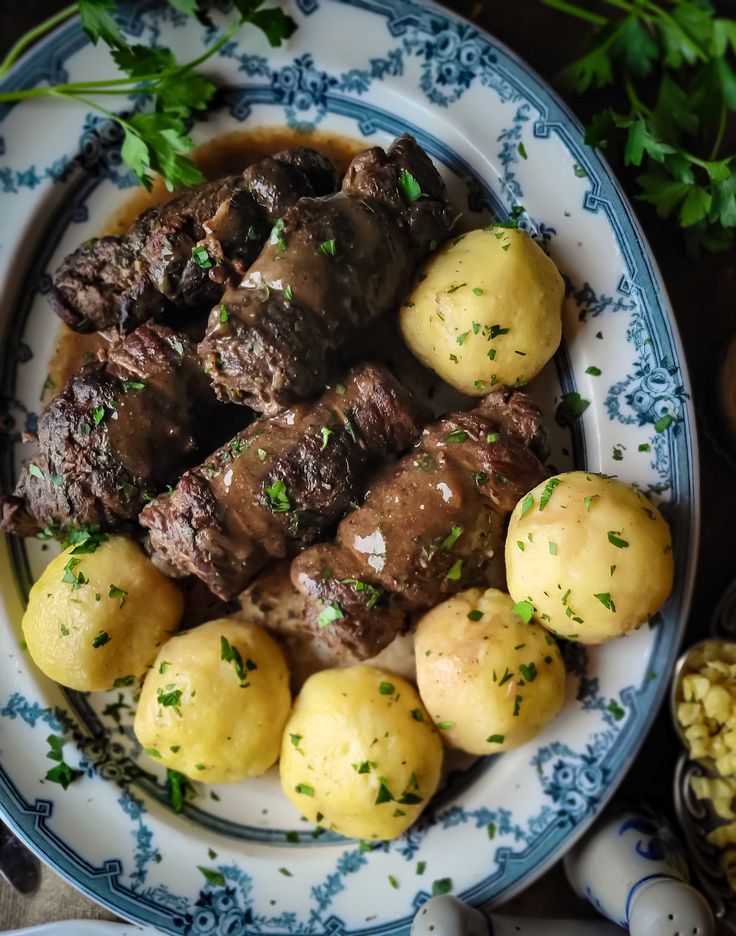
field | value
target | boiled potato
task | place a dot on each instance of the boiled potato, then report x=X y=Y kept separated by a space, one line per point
x=215 y=702
x=360 y=755
x=486 y=310
x=592 y=556
x=489 y=680
x=98 y=614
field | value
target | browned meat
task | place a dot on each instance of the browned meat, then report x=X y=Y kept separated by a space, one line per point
x=426 y=529
x=118 y=432
x=280 y=483
x=121 y=282
x=331 y=267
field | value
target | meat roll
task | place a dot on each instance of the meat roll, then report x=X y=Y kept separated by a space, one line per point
x=427 y=527
x=118 y=432
x=281 y=482
x=331 y=266
x=179 y=256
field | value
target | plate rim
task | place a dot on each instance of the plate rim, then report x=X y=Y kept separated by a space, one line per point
x=692 y=446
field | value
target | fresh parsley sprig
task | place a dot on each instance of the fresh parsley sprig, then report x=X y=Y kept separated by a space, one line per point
x=154 y=141
x=674 y=61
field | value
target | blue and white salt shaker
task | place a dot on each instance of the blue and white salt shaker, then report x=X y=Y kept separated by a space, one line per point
x=448 y=916
x=633 y=873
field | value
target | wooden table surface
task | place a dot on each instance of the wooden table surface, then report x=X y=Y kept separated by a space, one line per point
x=702 y=291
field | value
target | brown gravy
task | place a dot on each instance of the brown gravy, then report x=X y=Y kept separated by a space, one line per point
x=226 y=155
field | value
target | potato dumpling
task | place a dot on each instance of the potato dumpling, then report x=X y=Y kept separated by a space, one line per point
x=486 y=310
x=489 y=680
x=98 y=614
x=592 y=556
x=215 y=702
x=360 y=755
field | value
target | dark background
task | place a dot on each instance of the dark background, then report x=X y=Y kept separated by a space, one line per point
x=702 y=292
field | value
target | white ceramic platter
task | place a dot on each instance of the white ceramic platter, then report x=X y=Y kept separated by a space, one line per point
x=372 y=69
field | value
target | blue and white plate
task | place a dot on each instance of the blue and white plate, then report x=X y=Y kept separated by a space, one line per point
x=368 y=69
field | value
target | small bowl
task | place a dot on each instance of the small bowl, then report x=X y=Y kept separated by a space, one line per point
x=705 y=651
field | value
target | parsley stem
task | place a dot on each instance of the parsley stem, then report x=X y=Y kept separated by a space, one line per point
x=30 y=37
x=640 y=108
x=719 y=136
x=576 y=11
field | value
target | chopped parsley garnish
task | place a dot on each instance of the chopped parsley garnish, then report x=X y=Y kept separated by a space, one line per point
x=616 y=710
x=409 y=186
x=386 y=688
x=152 y=752
x=349 y=427
x=262 y=454
x=461 y=337
x=101 y=639
x=326 y=433
x=454 y=358
x=62 y=773
x=445 y=725
x=493 y=437
x=122 y=681
x=417 y=714
x=606 y=600
x=524 y=610
x=70 y=578
x=333 y=612
x=457 y=435
x=528 y=671
x=169 y=697
x=456 y=570
x=517 y=705
x=201 y=257
x=506 y=677
x=477 y=291
x=231 y=654
x=480 y=477
x=475 y=615
x=224 y=314
x=571 y=406
x=441 y=886
x=278 y=497
x=384 y=794
x=552 y=548
x=521 y=150
x=295 y=739
x=452 y=537
x=496 y=330
x=526 y=505
x=593 y=371
x=288 y=293
x=36 y=472
x=133 y=385
x=364 y=767
x=328 y=247
x=589 y=500
x=372 y=591
x=179 y=788
x=115 y=592
x=391 y=879
x=614 y=539
x=548 y=491
x=215 y=878
x=491 y=354
x=177 y=345
x=304 y=789
x=276 y=237
x=495 y=739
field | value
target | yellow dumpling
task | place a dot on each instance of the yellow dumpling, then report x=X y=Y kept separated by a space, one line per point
x=486 y=310
x=592 y=556
x=99 y=613
x=215 y=702
x=489 y=680
x=360 y=754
